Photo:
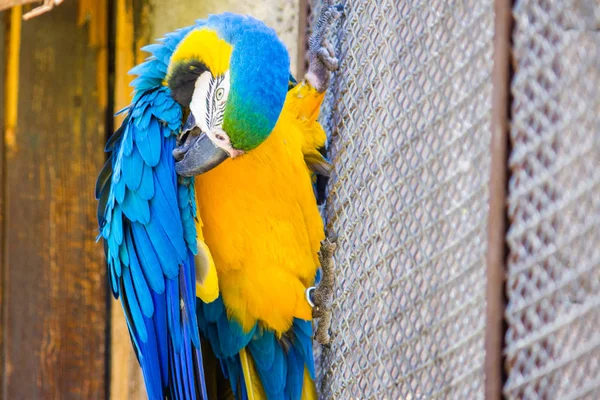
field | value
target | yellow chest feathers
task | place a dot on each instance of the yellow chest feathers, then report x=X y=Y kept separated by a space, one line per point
x=263 y=228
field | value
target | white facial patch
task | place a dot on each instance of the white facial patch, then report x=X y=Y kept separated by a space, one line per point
x=208 y=106
x=209 y=100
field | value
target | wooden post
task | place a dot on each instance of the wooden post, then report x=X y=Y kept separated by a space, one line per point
x=497 y=224
x=54 y=279
x=4 y=33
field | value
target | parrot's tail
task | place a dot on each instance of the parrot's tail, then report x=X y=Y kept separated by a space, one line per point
x=254 y=388
x=187 y=373
x=259 y=364
x=279 y=367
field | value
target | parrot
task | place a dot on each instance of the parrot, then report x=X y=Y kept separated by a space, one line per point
x=208 y=211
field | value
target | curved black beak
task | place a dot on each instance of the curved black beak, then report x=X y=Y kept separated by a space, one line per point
x=200 y=155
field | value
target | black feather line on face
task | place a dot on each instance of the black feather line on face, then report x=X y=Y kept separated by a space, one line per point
x=214 y=115
x=182 y=80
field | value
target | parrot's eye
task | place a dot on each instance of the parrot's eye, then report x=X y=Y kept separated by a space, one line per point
x=209 y=101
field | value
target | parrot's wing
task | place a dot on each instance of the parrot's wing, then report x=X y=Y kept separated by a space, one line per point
x=146 y=218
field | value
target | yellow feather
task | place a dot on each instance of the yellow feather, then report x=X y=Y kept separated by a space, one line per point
x=253 y=386
x=207 y=281
x=309 y=390
x=255 y=389
x=261 y=221
x=205 y=45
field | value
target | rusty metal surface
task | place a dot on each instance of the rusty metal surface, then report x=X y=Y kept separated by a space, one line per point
x=409 y=119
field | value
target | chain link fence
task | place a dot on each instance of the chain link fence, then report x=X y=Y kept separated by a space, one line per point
x=553 y=287
x=409 y=121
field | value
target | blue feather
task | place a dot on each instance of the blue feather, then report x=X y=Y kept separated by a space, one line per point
x=119 y=192
x=149 y=146
x=117 y=225
x=149 y=359
x=200 y=366
x=127 y=139
x=134 y=307
x=159 y=246
x=176 y=378
x=124 y=254
x=160 y=327
x=167 y=213
x=147 y=70
x=263 y=351
x=135 y=208
x=302 y=332
x=113 y=278
x=146 y=187
x=173 y=313
x=147 y=259
x=187 y=279
x=133 y=165
x=295 y=374
x=141 y=288
x=187 y=372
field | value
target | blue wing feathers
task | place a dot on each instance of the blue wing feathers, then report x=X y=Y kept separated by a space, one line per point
x=132 y=166
x=146 y=220
x=160 y=328
x=295 y=374
x=146 y=187
x=142 y=290
x=149 y=263
x=134 y=307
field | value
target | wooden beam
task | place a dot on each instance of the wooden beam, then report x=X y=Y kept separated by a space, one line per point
x=4 y=35
x=55 y=284
x=11 y=31
x=497 y=224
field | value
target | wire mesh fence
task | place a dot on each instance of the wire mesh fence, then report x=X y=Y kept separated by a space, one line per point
x=409 y=121
x=553 y=314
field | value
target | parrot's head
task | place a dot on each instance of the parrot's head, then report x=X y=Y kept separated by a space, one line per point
x=232 y=73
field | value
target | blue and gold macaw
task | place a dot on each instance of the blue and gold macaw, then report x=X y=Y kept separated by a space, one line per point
x=208 y=213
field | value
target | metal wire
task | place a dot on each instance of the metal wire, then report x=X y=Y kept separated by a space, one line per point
x=409 y=122
x=553 y=338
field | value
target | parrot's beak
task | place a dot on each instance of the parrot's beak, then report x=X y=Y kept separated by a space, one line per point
x=198 y=154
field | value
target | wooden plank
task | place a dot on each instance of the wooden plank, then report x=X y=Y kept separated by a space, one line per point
x=4 y=26
x=55 y=288
x=497 y=218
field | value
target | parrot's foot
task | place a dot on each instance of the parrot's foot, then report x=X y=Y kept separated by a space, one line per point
x=47 y=6
x=321 y=297
x=322 y=59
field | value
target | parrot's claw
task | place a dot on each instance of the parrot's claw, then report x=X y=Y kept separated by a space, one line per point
x=321 y=297
x=326 y=55
x=322 y=59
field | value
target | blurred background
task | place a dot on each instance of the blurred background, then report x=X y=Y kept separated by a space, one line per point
x=465 y=138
